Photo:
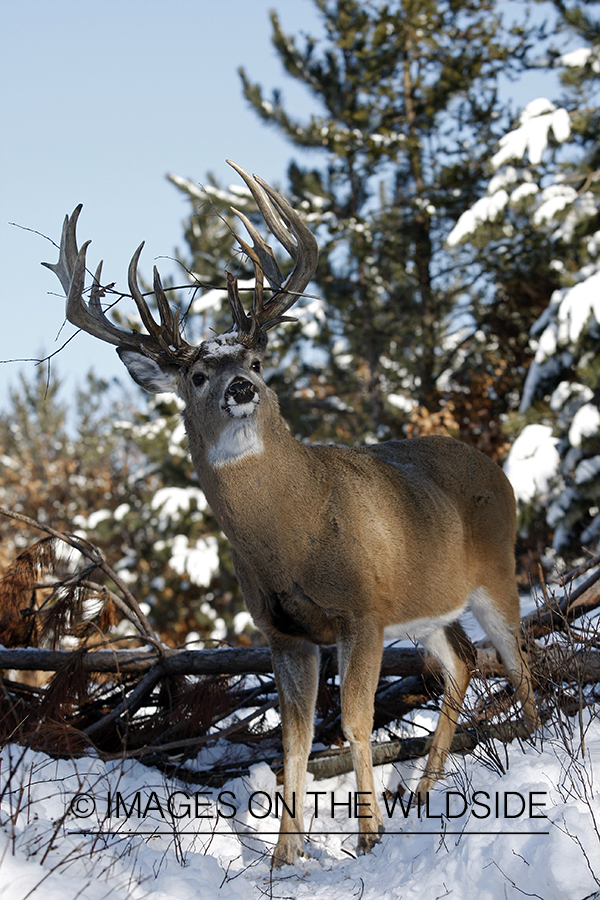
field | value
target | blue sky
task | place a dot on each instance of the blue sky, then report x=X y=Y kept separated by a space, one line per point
x=100 y=98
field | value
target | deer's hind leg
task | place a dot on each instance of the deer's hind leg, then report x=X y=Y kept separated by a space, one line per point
x=456 y=656
x=502 y=628
x=296 y=668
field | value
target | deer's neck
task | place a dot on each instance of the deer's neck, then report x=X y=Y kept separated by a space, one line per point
x=260 y=483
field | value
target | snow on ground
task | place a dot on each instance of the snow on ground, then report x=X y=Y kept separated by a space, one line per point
x=160 y=840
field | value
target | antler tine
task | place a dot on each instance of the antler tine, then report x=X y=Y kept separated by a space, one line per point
x=70 y=269
x=260 y=253
x=67 y=252
x=165 y=339
x=307 y=249
x=266 y=209
x=295 y=237
x=170 y=333
x=150 y=325
x=169 y=320
x=240 y=319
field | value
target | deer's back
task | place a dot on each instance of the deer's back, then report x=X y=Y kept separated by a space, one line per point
x=464 y=474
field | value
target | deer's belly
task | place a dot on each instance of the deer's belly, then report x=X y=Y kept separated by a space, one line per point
x=421 y=629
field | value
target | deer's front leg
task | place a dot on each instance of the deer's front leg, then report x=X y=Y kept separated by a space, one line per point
x=295 y=663
x=360 y=663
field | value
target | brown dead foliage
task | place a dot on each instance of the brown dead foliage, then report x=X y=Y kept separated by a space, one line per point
x=40 y=604
x=19 y=586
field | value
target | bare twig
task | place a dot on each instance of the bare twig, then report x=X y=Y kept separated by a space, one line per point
x=186 y=743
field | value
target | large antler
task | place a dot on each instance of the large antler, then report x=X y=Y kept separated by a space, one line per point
x=163 y=342
x=295 y=237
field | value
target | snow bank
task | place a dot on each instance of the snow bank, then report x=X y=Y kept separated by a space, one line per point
x=515 y=821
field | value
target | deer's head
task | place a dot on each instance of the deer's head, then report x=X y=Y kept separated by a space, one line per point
x=220 y=380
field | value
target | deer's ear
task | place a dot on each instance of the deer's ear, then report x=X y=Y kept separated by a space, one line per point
x=148 y=373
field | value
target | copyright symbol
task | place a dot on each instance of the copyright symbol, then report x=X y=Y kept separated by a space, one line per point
x=82 y=806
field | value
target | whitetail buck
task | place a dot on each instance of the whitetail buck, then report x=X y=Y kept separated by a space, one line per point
x=332 y=545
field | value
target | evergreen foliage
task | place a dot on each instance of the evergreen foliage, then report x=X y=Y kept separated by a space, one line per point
x=539 y=221
x=124 y=481
x=409 y=113
x=56 y=465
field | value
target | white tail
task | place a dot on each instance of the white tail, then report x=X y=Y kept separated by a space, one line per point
x=330 y=544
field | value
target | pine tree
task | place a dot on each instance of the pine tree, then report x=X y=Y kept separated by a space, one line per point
x=409 y=115
x=62 y=462
x=541 y=213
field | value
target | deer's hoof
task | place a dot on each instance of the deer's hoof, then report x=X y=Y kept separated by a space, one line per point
x=367 y=841
x=288 y=849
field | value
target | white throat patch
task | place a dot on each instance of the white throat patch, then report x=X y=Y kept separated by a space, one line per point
x=238 y=440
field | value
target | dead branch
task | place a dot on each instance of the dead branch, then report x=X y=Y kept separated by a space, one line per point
x=569 y=577
x=554 y=615
x=131 y=703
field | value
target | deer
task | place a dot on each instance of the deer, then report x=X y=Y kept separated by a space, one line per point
x=332 y=545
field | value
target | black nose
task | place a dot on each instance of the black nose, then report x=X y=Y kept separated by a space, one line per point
x=241 y=390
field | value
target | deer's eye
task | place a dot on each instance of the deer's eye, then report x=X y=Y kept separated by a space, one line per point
x=199 y=378
x=255 y=366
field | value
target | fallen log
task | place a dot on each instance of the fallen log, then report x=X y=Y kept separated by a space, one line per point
x=400 y=662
